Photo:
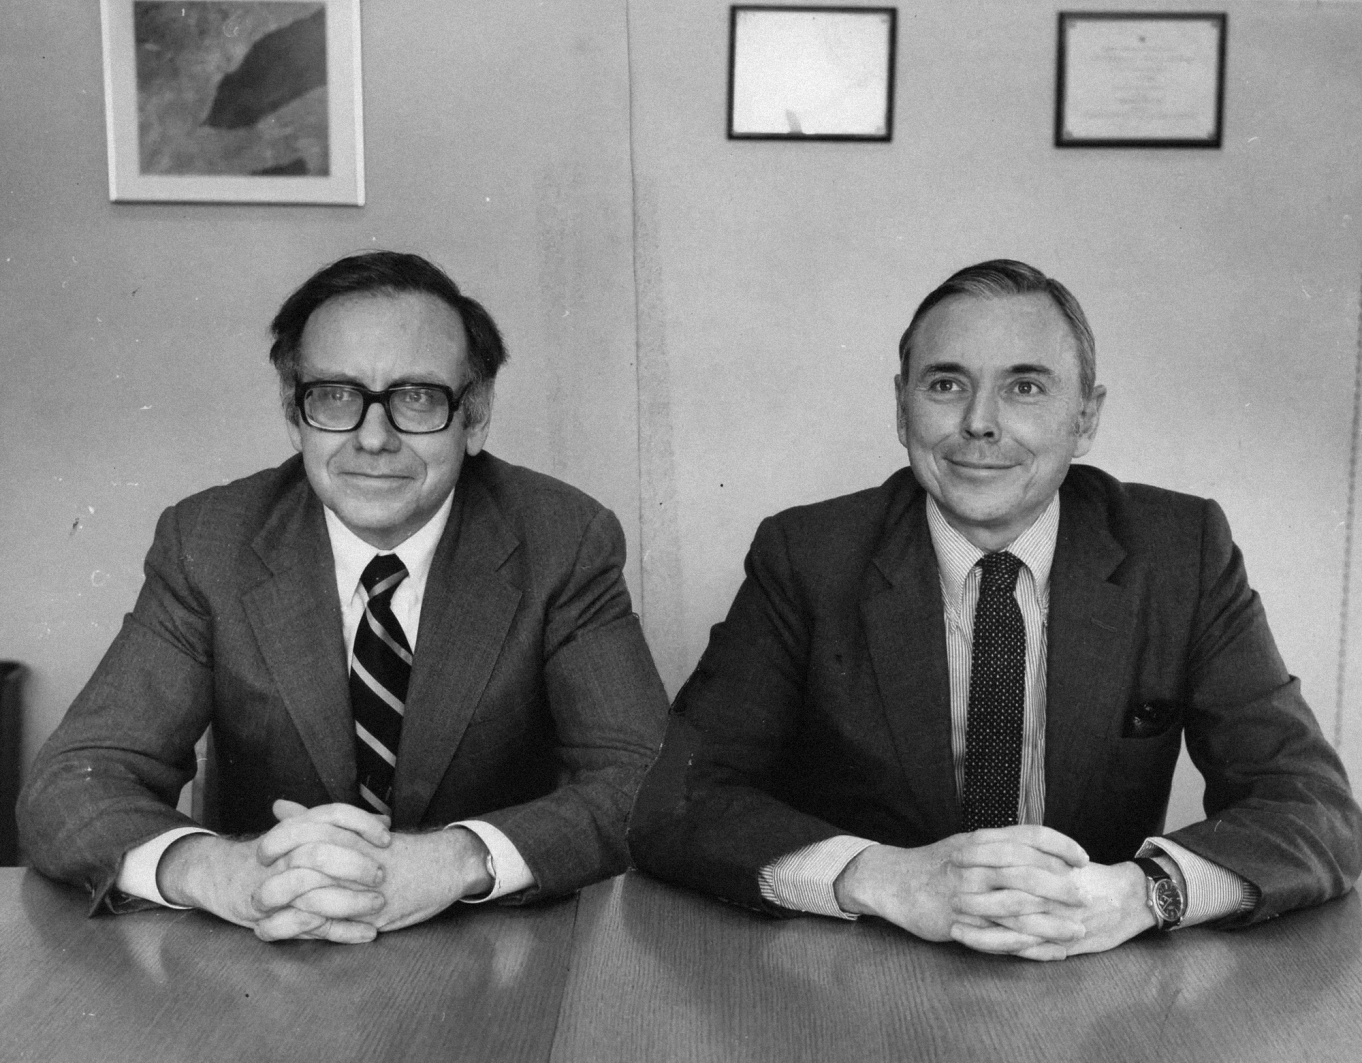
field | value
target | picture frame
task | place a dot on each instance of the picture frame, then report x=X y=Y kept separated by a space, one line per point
x=1140 y=79
x=811 y=73
x=234 y=101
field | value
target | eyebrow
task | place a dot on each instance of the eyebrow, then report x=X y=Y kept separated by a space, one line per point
x=1029 y=369
x=1020 y=369
x=400 y=382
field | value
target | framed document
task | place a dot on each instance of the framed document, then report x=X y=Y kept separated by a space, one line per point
x=1140 y=80
x=811 y=73
x=234 y=101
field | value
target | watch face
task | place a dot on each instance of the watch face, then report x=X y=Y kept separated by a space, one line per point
x=1169 y=901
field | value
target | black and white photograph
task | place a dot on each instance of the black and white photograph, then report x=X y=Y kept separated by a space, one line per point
x=681 y=531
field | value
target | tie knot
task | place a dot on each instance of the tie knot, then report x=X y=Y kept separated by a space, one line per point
x=1000 y=571
x=382 y=575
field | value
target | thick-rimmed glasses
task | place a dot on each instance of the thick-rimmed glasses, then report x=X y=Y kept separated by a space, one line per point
x=416 y=409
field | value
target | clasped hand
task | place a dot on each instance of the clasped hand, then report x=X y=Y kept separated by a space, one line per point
x=1028 y=891
x=334 y=872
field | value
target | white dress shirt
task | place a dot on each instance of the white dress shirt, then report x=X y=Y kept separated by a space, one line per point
x=351 y=554
x=804 y=879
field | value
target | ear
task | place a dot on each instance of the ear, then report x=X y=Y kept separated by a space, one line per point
x=901 y=409
x=1088 y=419
x=293 y=427
x=475 y=435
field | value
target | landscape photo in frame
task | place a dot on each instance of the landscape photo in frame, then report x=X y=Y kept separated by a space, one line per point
x=234 y=100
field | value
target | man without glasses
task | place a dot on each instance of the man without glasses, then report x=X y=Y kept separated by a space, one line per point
x=956 y=701
x=422 y=672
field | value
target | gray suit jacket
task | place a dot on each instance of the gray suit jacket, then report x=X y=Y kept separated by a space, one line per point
x=822 y=705
x=534 y=703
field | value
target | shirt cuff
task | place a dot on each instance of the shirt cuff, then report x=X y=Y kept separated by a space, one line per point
x=510 y=873
x=1212 y=891
x=137 y=875
x=804 y=879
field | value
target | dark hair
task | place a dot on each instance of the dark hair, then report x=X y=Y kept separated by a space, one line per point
x=388 y=273
x=1001 y=277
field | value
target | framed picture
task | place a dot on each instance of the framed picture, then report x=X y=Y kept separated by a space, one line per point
x=811 y=73
x=234 y=101
x=1140 y=80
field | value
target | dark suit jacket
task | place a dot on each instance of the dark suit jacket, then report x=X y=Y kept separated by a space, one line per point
x=534 y=703
x=822 y=705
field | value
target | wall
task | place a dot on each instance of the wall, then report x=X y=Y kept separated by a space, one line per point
x=135 y=335
x=567 y=162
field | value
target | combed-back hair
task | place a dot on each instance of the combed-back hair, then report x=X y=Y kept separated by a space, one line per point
x=389 y=273
x=1001 y=277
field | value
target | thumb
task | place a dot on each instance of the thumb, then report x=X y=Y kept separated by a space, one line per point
x=284 y=809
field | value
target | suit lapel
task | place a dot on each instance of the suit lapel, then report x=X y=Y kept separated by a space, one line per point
x=1091 y=621
x=295 y=616
x=465 y=616
x=904 y=624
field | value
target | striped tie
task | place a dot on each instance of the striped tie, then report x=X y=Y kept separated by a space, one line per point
x=379 y=670
x=997 y=699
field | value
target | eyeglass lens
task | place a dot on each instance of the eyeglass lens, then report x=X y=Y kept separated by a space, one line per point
x=412 y=409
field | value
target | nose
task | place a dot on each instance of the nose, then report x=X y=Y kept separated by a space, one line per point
x=980 y=420
x=376 y=433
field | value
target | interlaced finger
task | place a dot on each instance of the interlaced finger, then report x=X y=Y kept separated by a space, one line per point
x=344 y=932
x=995 y=904
x=996 y=939
x=333 y=902
x=292 y=833
x=281 y=889
x=286 y=924
x=1058 y=889
x=1037 y=839
x=373 y=828
x=335 y=861
x=1047 y=925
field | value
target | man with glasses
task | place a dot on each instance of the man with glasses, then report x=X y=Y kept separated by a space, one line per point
x=423 y=676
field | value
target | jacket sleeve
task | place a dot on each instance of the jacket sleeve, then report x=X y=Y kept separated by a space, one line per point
x=608 y=707
x=706 y=817
x=1279 y=811
x=109 y=776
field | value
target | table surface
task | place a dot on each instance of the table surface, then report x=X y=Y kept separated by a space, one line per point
x=484 y=984
x=635 y=970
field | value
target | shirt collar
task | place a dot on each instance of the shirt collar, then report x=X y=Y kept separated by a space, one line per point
x=956 y=555
x=352 y=554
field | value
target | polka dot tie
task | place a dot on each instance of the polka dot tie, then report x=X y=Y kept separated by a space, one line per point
x=997 y=699
x=379 y=670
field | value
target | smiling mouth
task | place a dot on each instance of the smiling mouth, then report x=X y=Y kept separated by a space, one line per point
x=376 y=477
x=980 y=466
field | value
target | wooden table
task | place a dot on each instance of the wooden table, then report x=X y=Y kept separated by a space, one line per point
x=634 y=970
x=156 y=986
x=663 y=975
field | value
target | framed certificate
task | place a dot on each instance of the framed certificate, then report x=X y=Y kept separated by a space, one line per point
x=811 y=73
x=1140 y=80
x=234 y=101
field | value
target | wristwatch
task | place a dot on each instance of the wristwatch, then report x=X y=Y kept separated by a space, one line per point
x=1162 y=895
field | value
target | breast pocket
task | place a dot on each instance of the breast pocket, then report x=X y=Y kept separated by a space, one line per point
x=1147 y=752
x=1151 y=719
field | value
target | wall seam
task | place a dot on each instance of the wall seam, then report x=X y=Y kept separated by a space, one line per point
x=1348 y=532
x=643 y=530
